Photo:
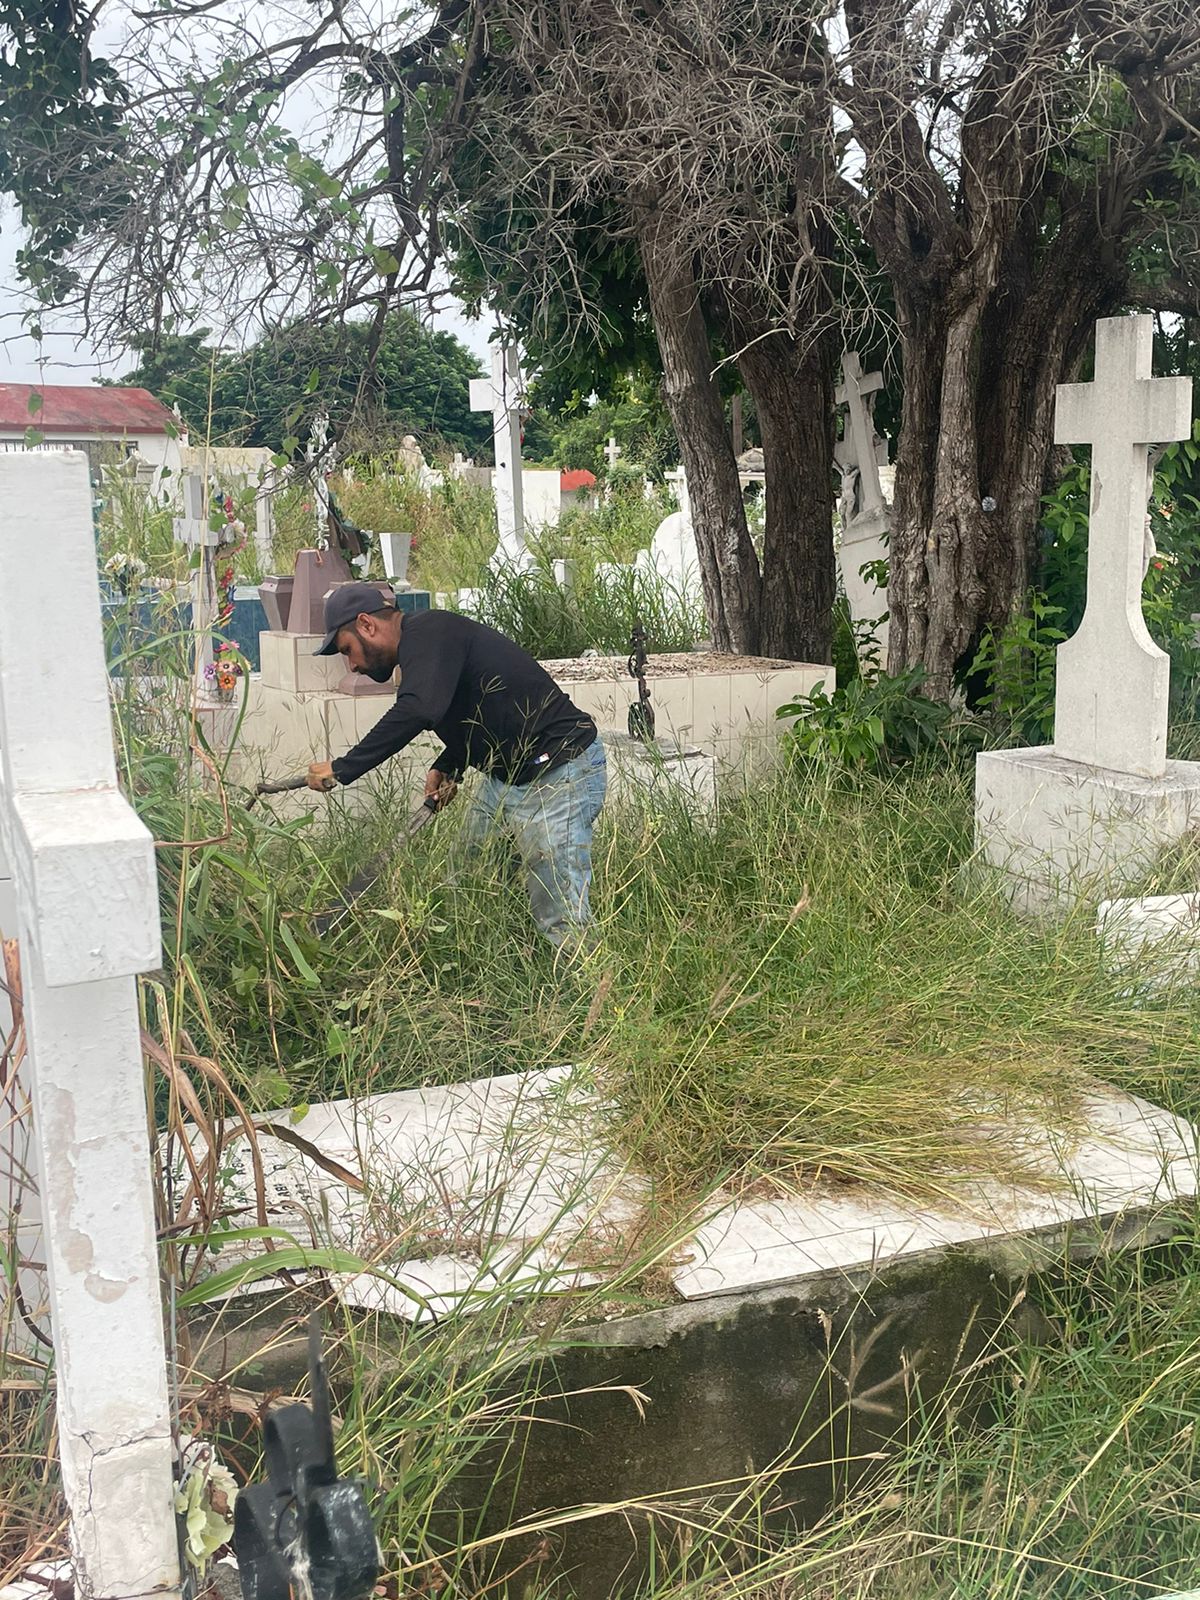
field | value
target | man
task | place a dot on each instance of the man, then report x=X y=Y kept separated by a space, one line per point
x=495 y=708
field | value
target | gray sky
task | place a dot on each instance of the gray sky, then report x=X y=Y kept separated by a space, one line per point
x=62 y=358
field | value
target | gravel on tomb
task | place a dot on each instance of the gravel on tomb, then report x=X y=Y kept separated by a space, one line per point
x=680 y=664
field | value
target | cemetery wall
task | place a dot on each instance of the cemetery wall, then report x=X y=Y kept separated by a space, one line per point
x=296 y=714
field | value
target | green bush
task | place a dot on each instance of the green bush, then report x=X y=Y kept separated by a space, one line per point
x=870 y=721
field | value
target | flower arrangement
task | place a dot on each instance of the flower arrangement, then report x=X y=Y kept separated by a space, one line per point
x=222 y=673
x=233 y=532
x=125 y=569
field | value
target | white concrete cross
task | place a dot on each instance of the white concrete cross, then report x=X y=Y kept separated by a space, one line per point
x=86 y=921
x=192 y=529
x=856 y=451
x=611 y=451
x=1110 y=706
x=501 y=394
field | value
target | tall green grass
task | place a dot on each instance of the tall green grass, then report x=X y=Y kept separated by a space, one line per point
x=815 y=982
x=596 y=611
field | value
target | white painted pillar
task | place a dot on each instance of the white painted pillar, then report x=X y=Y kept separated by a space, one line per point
x=501 y=395
x=87 y=921
x=264 y=518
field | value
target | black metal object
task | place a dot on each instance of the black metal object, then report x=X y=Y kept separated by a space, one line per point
x=306 y=1533
x=641 y=715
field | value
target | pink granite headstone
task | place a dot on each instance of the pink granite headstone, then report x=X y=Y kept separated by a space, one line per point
x=317 y=571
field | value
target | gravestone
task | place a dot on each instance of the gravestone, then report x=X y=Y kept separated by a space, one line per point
x=673 y=549
x=86 y=921
x=317 y=571
x=612 y=452
x=1099 y=803
x=319 y=455
x=501 y=394
x=859 y=454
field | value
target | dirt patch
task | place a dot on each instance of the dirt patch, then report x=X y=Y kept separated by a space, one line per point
x=679 y=664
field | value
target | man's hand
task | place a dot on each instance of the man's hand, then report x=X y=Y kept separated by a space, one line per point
x=438 y=786
x=320 y=776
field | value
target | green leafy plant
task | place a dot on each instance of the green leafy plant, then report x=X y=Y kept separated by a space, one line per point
x=870 y=721
x=1017 y=664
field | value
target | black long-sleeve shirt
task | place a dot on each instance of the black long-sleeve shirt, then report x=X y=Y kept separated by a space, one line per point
x=491 y=704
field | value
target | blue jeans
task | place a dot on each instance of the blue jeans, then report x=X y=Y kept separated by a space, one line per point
x=550 y=822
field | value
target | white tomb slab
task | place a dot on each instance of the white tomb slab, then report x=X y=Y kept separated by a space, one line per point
x=86 y=910
x=511 y=1181
x=1093 y=809
x=394 y=552
x=673 y=553
x=1155 y=939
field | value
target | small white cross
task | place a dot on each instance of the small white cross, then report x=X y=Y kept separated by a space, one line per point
x=1112 y=679
x=611 y=451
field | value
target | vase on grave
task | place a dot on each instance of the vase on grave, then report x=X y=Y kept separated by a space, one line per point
x=276 y=596
x=394 y=550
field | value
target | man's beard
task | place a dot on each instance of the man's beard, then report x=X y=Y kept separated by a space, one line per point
x=378 y=664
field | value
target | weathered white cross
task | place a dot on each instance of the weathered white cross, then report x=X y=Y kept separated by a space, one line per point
x=87 y=922
x=611 y=451
x=856 y=452
x=501 y=394
x=1112 y=679
x=192 y=529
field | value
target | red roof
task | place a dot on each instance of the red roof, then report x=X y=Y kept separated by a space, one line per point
x=82 y=408
x=580 y=478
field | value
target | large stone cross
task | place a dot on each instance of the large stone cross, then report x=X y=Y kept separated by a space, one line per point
x=1112 y=679
x=501 y=394
x=86 y=901
x=857 y=451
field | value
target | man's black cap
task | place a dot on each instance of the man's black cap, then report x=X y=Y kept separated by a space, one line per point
x=345 y=603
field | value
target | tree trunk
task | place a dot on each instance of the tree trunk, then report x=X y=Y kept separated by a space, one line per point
x=976 y=435
x=793 y=395
x=729 y=568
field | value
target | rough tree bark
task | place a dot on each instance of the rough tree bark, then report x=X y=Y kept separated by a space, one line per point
x=793 y=387
x=728 y=564
x=998 y=271
x=977 y=427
